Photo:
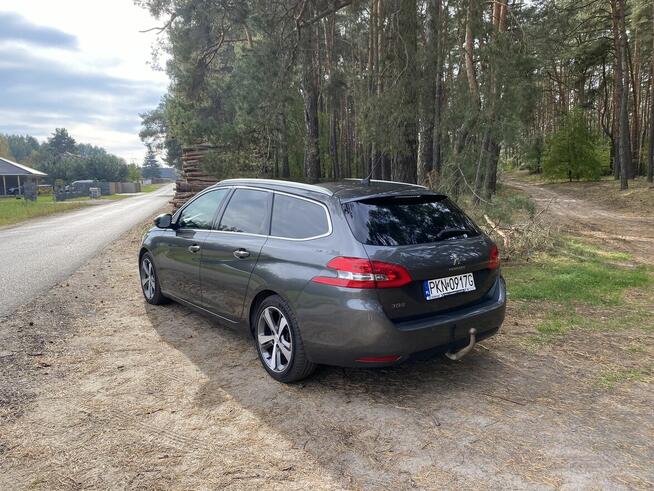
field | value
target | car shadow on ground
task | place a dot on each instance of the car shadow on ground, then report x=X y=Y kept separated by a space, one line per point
x=342 y=415
x=205 y=342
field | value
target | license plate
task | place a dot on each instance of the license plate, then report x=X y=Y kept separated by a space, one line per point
x=441 y=287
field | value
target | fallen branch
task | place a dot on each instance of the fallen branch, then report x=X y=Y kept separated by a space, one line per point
x=505 y=239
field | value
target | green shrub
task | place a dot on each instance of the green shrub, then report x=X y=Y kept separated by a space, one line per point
x=574 y=152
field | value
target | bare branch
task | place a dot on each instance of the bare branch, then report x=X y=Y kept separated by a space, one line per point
x=332 y=10
x=162 y=28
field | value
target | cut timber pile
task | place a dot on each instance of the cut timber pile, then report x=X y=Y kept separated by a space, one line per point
x=193 y=178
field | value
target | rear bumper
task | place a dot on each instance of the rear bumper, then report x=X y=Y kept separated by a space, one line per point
x=352 y=327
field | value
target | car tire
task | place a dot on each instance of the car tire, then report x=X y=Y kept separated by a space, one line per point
x=289 y=339
x=150 y=286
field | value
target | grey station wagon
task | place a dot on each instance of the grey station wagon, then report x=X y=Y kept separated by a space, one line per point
x=351 y=273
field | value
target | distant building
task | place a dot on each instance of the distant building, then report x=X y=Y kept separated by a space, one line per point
x=13 y=177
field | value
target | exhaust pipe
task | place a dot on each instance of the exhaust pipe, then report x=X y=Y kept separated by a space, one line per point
x=464 y=351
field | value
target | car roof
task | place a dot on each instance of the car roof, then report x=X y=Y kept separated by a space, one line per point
x=345 y=190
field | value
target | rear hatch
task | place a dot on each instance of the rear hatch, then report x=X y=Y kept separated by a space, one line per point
x=432 y=239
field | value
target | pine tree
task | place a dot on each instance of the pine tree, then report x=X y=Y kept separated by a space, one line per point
x=150 y=168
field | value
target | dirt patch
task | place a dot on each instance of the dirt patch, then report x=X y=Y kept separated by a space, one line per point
x=637 y=200
x=615 y=229
x=132 y=396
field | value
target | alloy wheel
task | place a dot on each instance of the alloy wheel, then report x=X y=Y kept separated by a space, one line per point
x=148 y=280
x=275 y=339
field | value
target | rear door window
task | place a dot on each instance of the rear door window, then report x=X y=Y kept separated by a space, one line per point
x=406 y=220
x=201 y=212
x=296 y=218
x=248 y=211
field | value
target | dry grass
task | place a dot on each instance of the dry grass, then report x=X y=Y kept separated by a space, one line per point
x=104 y=391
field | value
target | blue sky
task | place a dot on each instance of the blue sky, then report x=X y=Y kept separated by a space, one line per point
x=78 y=64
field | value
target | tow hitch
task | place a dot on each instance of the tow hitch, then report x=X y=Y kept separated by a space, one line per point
x=464 y=351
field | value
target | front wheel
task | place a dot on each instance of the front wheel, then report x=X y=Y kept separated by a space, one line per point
x=278 y=342
x=150 y=281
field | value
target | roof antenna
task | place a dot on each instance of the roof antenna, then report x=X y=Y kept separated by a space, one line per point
x=366 y=181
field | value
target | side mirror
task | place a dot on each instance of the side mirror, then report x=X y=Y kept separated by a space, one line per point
x=163 y=221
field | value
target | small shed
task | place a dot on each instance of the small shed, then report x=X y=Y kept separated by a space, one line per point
x=14 y=175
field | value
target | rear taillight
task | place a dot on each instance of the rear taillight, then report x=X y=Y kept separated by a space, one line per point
x=352 y=272
x=494 y=258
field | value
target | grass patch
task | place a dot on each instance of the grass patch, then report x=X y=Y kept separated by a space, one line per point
x=576 y=273
x=14 y=210
x=116 y=197
x=148 y=188
x=561 y=319
x=591 y=252
x=557 y=324
x=579 y=287
x=608 y=379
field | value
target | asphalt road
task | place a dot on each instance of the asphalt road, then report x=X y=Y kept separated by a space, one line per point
x=38 y=254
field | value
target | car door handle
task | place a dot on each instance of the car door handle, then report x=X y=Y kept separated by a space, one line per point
x=241 y=253
x=194 y=248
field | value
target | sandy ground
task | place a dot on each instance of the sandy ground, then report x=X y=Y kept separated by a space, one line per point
x=612 y=222
x=100 y=390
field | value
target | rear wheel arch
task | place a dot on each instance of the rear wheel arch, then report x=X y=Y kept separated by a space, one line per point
x=254 y=306
x=141 y=252
x=256 y=302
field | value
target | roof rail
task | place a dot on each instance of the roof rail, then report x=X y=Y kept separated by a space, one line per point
x=279 y=182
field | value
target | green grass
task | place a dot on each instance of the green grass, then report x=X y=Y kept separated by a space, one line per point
x=608 y=379
x=115 y=197
x=148 y=188
x=576 y=273
x=583 y=287
x=14 y=210
x=558 y=323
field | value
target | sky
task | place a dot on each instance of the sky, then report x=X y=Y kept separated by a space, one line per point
x=78 y=64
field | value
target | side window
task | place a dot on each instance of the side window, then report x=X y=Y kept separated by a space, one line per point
x=248 y=212
x=202 y=211
x=295 y=218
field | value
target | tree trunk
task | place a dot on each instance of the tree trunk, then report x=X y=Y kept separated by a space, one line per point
x=624 y=149
x=650 y=153
x=333 y=99
x=469 y=46
x=440 y=96
x=404 y=168
x=283 y=146
x=428 y=99
x=480 y=174
x=310 y=94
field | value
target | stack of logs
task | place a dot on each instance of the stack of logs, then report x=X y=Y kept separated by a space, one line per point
x=193 y=179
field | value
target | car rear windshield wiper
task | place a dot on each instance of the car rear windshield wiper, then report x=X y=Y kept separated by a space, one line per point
x=450 y=232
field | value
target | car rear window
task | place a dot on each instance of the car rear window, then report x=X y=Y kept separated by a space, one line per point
x=405 y=220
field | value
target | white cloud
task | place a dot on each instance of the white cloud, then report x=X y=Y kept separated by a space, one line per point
x=109 y=51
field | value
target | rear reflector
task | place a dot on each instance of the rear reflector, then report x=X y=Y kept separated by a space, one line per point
x=494 y=258
x=379 y=359
x=353 y=272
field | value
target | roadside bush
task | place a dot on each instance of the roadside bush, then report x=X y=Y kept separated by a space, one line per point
x=574 y=152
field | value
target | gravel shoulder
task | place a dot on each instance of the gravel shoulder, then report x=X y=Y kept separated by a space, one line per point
x=100 y=390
